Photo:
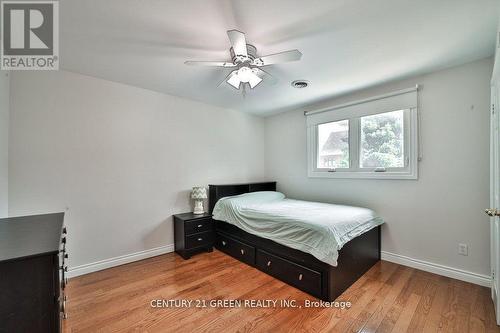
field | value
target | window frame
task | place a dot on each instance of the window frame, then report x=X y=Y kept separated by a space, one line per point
x=410 y=149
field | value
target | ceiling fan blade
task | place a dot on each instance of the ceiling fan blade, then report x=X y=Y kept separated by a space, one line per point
x=238 y=42
x=292 y=55
x=210 y=63
x=263 y=74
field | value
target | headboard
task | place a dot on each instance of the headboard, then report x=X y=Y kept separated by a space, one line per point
x=215 y=192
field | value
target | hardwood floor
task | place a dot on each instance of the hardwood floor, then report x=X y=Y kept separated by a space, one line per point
x=388 y=298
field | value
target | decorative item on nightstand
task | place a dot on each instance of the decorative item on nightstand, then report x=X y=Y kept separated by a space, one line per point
x=199 y=193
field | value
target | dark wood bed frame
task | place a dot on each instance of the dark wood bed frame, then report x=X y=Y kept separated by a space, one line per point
x=292 y=266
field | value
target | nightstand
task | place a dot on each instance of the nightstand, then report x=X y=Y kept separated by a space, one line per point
x=193 y=233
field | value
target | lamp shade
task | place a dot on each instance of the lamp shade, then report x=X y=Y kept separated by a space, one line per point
x=199 y=193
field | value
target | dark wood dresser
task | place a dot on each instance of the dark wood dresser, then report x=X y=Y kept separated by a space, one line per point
x=193 y=233
x=32 y=273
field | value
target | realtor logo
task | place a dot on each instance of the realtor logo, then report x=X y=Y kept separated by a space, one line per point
x=30 y=35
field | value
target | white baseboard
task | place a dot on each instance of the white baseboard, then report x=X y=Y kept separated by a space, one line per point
x=117 y=261
x=480 y=279
x=455 y=273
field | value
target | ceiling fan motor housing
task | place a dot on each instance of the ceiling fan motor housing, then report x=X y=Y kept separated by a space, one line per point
x=241 y=59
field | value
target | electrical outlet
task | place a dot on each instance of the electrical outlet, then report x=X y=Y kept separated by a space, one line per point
x=463 y=249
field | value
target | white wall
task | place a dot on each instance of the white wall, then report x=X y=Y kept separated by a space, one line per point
x=427 y=218
x=123 y=159
x=4 y=142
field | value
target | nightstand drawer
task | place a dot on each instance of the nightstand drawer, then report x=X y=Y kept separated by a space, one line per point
x=198 y=225
x=199 y=240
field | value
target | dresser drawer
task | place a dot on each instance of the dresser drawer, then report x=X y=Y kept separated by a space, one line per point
x=301 y=277
x=199 y=240
x=199 y=225
x=237 y=249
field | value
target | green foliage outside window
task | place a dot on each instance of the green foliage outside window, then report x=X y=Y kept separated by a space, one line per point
x=382 y=140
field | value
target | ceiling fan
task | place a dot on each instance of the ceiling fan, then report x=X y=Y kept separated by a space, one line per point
x=246 y=63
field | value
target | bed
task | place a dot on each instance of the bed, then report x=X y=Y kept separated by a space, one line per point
x=292 y=240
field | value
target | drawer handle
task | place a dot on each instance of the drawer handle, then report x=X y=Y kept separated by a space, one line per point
x=242 y=251
x=269 y=263
x=64 y=313
x=223 y=243
x=200 y=239
x=300 y=277
x=64 y=283
x=63 y=310
x=200 y=225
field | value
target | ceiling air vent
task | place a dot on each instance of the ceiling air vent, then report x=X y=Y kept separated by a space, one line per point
x=299 y=84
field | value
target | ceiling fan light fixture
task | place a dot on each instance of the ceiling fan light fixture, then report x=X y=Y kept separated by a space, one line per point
x=244 y=75
x=254 y=81
x=234 y=79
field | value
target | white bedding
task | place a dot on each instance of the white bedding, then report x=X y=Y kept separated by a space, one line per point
x=317 y=228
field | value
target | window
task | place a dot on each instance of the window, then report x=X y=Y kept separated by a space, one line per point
x=382 y=140
x=375 y=138
x=333 y=144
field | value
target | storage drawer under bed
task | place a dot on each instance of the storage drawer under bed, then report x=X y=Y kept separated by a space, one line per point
x=237 y=249
x=294 y=274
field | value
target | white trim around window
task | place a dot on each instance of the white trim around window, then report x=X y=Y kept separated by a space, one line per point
x=404 y=101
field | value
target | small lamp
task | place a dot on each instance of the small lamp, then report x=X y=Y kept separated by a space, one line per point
x=199 y=193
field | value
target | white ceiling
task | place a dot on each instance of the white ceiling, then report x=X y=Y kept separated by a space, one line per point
x=346 y=44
